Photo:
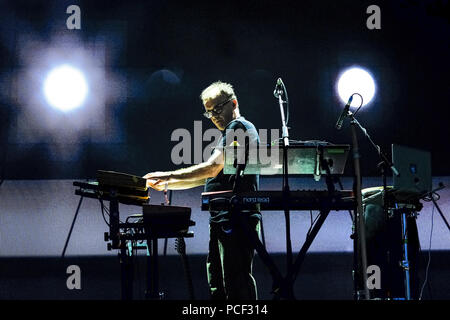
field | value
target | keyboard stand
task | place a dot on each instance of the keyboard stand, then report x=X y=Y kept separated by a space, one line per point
x=283 y=287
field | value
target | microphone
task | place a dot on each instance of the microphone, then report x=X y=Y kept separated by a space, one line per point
x=278 y=88
x=344 y=114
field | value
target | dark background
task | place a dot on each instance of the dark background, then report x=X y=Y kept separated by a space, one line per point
x=166 y=52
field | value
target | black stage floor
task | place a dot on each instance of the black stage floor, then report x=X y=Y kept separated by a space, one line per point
x=323 y=276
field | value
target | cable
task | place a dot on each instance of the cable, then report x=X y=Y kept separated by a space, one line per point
x=360 y=104
x=312 y=224
x=429 y=256
x=428 y=198
x=103 y=209
x=287 y=103
x=422 y=261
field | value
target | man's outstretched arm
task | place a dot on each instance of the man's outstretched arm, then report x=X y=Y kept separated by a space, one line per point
x=175 y=185
x=189 y=177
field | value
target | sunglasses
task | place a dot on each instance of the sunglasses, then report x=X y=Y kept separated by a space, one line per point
x=217 y=109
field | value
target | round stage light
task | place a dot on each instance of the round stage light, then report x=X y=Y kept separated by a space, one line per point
x=356 y=80
x=65 y=88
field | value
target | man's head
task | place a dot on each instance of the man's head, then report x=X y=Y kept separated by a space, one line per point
x=220 y=103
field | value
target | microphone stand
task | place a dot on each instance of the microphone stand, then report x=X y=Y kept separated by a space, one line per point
x=360 y=224
x=286 y=190
x=359 y=217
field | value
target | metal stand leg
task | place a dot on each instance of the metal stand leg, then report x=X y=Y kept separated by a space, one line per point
x=71 y=227
x=359 y=218
x=405 y=261
x=126 y=269
x=152 y=275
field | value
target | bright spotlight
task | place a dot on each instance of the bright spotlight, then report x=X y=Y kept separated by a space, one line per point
x=65 y=88
x=356 y=80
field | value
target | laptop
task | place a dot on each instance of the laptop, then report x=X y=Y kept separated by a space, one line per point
x=414 y=167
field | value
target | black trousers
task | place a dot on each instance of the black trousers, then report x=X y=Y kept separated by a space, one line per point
x=229 y=262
